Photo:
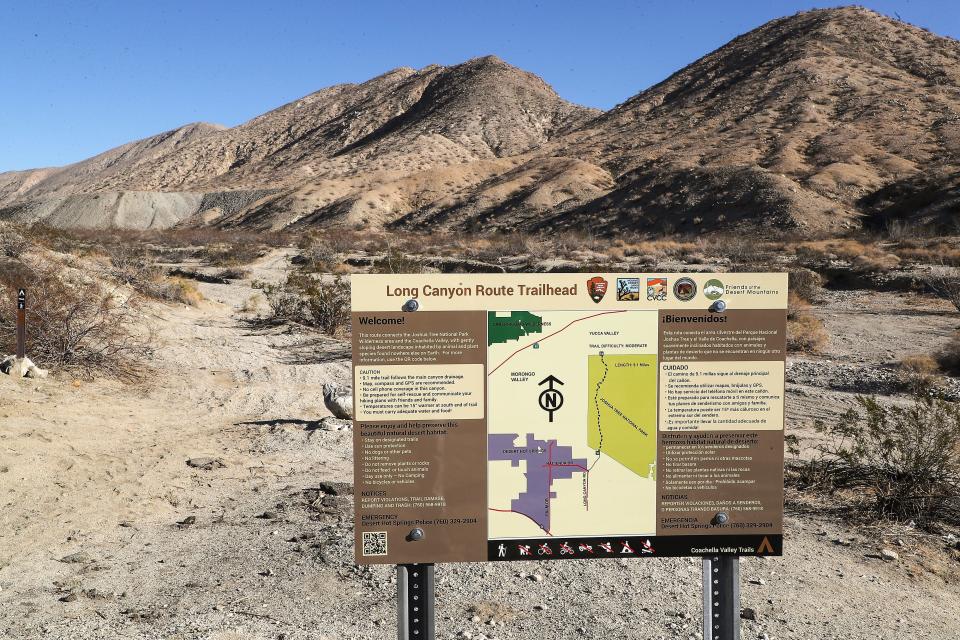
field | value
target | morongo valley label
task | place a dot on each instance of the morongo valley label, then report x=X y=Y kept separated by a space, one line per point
x=567 y=416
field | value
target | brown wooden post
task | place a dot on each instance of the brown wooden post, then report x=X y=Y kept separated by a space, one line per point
x=21 y=323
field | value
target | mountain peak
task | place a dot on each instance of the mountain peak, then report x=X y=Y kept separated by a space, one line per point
x=812 y=122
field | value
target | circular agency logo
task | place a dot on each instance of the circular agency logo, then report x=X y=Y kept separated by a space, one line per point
x=684 y=289
x=713 y=289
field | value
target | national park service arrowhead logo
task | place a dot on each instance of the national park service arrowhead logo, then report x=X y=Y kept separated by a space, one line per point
x=596 y=288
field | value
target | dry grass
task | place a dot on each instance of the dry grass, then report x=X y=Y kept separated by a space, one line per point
x=805 y=331
x=863 y=255
x=922 y=365
x=137 y=270
x=930 y=251
x=182 y=290
x=217 y=247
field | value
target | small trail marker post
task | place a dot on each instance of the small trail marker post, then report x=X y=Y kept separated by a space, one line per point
x=21 y=324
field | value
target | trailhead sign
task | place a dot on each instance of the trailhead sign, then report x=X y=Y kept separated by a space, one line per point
x=567 y=416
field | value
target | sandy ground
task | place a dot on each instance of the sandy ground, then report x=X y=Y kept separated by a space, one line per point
x=106 y=532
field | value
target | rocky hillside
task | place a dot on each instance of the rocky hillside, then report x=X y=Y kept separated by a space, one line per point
x=818 y=122
x=799 y=123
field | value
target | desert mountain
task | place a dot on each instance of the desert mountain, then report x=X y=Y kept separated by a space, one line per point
x=817 y=122
x=798 y=123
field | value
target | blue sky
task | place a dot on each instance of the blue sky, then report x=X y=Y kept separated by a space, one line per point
x=81 y=77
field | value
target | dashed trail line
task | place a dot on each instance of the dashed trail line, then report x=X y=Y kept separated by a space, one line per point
x=596 y=399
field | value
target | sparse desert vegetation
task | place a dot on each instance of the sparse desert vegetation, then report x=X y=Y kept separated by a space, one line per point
x=310 y=301
x=270 y=331
x=899 y=463
x=76 y=321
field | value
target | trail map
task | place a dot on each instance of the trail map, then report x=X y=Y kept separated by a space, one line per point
x=602 y=442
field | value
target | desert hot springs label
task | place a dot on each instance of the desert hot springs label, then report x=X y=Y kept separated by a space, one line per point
x=567 y=416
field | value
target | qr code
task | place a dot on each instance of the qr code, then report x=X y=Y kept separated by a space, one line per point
x=374 y=543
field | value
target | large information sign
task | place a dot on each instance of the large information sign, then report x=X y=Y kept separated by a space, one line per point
x=567 y=416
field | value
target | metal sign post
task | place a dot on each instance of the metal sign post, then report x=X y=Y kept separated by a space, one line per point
x=721 y=598
x=415 y=608
x=21 y=324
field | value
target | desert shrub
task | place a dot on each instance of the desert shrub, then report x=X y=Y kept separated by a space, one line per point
x=805 y=331
x=252 y=304
x=920 y=364
x=806 y=284
x=743 y=251
x=567 y=242
x=903 y=462
x=948 y=356
x=946 y=284
x=12 y=242
x=318 y=258
x=136 y=269
x=877 y=263
x=327 y=304
x=285 y=302
x=74 y=322
x=396 y=261
x=304 y=299
x=232 y=254
x=232 y=273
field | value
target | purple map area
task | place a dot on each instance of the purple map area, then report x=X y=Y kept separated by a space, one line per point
x=546 y=462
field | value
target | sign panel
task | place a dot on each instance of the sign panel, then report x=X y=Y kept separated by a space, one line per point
x=567 y=416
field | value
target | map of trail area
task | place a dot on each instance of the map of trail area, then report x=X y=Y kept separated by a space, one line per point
x=621 y=421
x=561 y=466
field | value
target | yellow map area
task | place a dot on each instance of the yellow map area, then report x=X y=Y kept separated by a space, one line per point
x=589 y=494
x=622 y=418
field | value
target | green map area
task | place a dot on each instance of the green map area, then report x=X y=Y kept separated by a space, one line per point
x=622 y=409
x=503 y=328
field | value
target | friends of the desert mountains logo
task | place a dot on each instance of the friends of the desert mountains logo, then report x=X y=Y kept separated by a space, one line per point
x=713 y=289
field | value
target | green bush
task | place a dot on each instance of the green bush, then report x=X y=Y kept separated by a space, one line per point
x=903 y=462
x=310 y=301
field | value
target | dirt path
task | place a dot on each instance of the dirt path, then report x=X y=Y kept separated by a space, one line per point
x=78 y=457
